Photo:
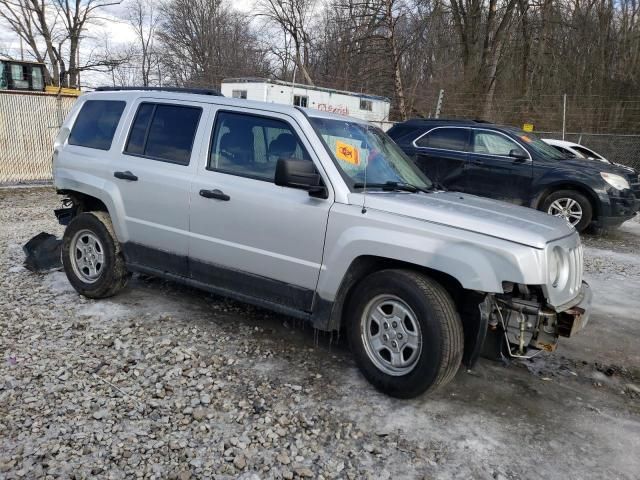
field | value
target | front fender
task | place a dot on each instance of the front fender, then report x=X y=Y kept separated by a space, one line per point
x=557 y=179
x=478 y=262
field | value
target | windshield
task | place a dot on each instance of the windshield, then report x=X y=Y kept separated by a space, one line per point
x=359 y=148
x=538 y=146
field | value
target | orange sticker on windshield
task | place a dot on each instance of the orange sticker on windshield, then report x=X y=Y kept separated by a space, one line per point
x=525 y=138
x=347 y=153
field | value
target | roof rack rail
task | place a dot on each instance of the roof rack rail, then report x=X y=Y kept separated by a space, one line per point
x=197 y=91
x=451 y=120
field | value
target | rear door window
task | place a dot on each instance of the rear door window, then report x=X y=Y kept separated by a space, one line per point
x=445 y=139
x=96 y=124
x=164 y=132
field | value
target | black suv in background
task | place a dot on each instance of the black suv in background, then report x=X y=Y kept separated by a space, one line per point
x=506 y=163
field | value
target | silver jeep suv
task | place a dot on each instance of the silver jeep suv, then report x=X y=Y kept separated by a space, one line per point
x=316 y=216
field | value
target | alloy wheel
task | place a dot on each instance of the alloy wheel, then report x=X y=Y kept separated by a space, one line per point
x=391 y=335
x=87 y=256
x=566 y=208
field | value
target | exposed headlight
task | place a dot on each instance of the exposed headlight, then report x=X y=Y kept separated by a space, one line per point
x=616 y=181
x=558 y=268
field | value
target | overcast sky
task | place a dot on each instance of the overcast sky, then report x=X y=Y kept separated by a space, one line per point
x=111 y=26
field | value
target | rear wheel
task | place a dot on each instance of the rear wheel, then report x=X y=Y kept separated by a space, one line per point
x=404 y=332
x=570 y=205
x=91 y=256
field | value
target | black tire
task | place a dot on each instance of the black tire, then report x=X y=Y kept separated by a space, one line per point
x=113 y=275
x=585 y=205
x=440 y=328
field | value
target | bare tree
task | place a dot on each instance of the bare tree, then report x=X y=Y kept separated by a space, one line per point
x=293 y=18
x=30 y=21
x=482 y=34
x=204 y=41
x=52 y=30
x=123 y=71
x=75 y=16
x=144 y=18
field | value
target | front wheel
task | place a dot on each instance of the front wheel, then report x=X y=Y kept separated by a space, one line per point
x=405 y=332
x=574 y=207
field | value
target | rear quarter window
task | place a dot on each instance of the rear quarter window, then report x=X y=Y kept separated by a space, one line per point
x=96 y=124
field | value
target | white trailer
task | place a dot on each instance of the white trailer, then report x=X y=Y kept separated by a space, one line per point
x=372 y=108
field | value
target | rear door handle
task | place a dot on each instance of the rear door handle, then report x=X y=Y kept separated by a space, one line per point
x=216 y=194
x=126 y=176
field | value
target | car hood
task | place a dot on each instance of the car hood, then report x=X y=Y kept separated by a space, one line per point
x=469 y=212
x=596 y=166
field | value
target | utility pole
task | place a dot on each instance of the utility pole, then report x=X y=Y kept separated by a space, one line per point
x=21 y=51
x=564 y=114
x=78 y=65
x=439 y=104
x=293 y=81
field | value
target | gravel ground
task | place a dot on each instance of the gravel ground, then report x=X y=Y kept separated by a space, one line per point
x=163 y=381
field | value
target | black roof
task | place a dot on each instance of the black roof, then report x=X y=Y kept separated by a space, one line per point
x=197 y=91
x=458 y=121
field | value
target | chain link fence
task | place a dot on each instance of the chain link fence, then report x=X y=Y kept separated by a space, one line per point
x=624 y=149
x=29 y=123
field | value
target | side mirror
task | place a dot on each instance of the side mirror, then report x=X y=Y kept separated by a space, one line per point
x=518 y=155
x=300 y=174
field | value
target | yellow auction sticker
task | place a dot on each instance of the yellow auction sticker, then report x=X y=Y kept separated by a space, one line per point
x=347 y=153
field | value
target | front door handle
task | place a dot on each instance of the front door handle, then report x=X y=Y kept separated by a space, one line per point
x=216 y=194
x=126 y=176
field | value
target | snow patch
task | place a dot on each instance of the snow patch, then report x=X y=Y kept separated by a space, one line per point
x=104 y=310
x=57 y=282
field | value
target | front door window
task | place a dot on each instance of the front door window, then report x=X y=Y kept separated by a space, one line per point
x=492 y=143
x=251 y=145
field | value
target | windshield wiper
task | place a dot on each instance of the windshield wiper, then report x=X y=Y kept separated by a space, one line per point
x=394 y=186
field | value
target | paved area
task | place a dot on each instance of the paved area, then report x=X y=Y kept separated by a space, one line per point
x=164 y=381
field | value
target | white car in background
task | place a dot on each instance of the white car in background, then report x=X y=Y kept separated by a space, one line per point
x=574 y=150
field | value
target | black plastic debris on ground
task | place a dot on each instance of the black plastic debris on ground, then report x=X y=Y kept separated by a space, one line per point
x=42 y=253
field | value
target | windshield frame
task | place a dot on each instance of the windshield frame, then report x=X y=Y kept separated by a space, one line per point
x=350 y=182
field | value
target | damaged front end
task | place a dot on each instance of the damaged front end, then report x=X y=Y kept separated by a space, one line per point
x=527 y=325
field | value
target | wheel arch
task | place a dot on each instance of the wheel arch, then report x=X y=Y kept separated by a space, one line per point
x=83 y=202
x=547 y=190
x=100 y=200
x=329 y=316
